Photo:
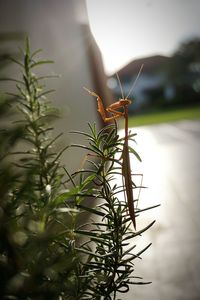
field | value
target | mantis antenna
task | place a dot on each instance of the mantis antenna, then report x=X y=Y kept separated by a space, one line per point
x=120 y=85
x=134 y=83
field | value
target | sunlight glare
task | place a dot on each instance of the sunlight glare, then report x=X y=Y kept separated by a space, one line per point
x=130 y=29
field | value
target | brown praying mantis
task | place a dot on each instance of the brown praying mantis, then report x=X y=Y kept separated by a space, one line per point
x=126 y=168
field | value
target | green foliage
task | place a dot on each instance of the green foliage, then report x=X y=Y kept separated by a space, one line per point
x=46 y=250
x=36 y=226
x=109 y=237
x=169 y=115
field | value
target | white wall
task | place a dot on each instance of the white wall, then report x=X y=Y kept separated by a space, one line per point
x=57 y=28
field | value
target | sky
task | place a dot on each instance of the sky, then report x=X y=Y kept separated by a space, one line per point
x=129 y=29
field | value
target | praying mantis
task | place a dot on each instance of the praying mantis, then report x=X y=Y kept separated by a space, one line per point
x=126 y=168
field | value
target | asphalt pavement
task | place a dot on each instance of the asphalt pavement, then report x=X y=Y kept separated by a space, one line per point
x=171 y=166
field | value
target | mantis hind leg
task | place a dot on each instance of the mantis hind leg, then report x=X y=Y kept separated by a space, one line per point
x=139 y=187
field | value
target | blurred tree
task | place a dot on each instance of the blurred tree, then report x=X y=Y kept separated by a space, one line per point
x=184 y=72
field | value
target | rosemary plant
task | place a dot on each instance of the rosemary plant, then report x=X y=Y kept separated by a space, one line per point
x=36 y=226
x=110 y=236
x=46 y=252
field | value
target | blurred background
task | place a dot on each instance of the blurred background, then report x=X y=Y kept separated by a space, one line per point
x=90 y=41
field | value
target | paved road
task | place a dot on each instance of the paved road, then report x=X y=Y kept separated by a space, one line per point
x=171 y=167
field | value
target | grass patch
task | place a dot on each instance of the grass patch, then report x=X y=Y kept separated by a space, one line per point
x=165 y=116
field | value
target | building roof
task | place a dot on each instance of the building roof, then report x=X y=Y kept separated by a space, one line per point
x=151 y=64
